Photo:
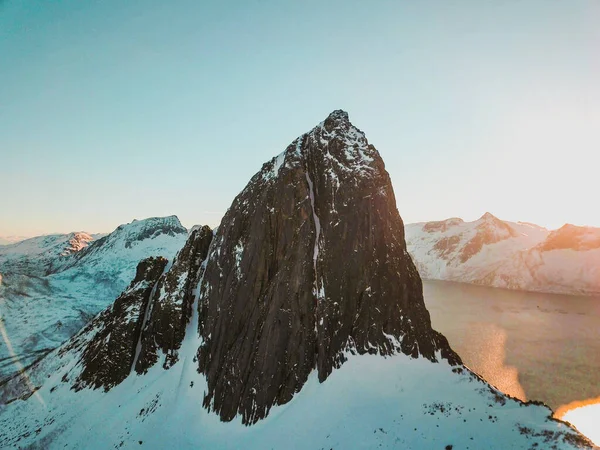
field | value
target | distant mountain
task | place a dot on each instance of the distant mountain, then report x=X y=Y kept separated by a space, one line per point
x=498 y=253
x=300 y=323
x=7 y=240
x=36 y=256
x=50 y=286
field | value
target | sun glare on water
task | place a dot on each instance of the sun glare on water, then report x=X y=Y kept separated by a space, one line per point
x=585 y=415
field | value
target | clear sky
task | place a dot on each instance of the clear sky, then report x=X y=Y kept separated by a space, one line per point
x=114 y=110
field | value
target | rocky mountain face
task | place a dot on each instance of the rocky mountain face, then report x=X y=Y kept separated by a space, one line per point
x=146 y=322
x=489 y=230
x=52 y=285
x=171 y=308
x=493 y=252
x=299 y=324
x=309 y=262
x=108 y=357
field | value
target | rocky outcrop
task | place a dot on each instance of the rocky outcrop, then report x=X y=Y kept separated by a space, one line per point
x=571 y=237
x=171 y=307
x=442 y=225
x=308 y=263
x=77 y=242
x=489 y=231
x=107 y=358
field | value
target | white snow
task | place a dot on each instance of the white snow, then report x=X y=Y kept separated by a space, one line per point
x=318 y=292
x=586 y=419
x=238 y=253
x=138 y=347
x=514 y=262
x=315 y=217
x=370 y=402
x=276 y=164
x=36 y=256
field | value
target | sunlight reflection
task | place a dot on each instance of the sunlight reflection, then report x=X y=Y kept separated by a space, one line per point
x=585 y=415
x=22 y=370
x=487 y=354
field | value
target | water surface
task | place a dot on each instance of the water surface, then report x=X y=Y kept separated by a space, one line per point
x=531 y=345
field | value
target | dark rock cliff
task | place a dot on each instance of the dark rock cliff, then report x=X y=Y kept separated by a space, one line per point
x=308 y=263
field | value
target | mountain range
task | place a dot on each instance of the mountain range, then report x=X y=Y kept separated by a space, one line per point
x=6 y=240
x=488 y=251
x=298 y=323
x=50 y=286
x=513 y=255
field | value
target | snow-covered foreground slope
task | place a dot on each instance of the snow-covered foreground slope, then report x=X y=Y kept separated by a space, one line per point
x=371 y=402
x=510 y=255
x=51 y=286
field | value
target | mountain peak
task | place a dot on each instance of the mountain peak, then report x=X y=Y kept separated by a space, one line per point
x=148 y=228
x=488 y=216
x=334 y=149
x=337 y=120
x=338 y=115
x=283 y=246
x=172 y=220
x=161 y=232
x=77 y=241
x=572 y=237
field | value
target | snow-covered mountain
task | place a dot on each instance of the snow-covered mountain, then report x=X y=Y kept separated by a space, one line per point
x=50 y=286
x=7 y=240
x=299 y=323
x=36 y=256
x=498 y=253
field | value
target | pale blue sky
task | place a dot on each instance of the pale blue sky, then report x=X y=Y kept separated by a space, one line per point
x=113 y=110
